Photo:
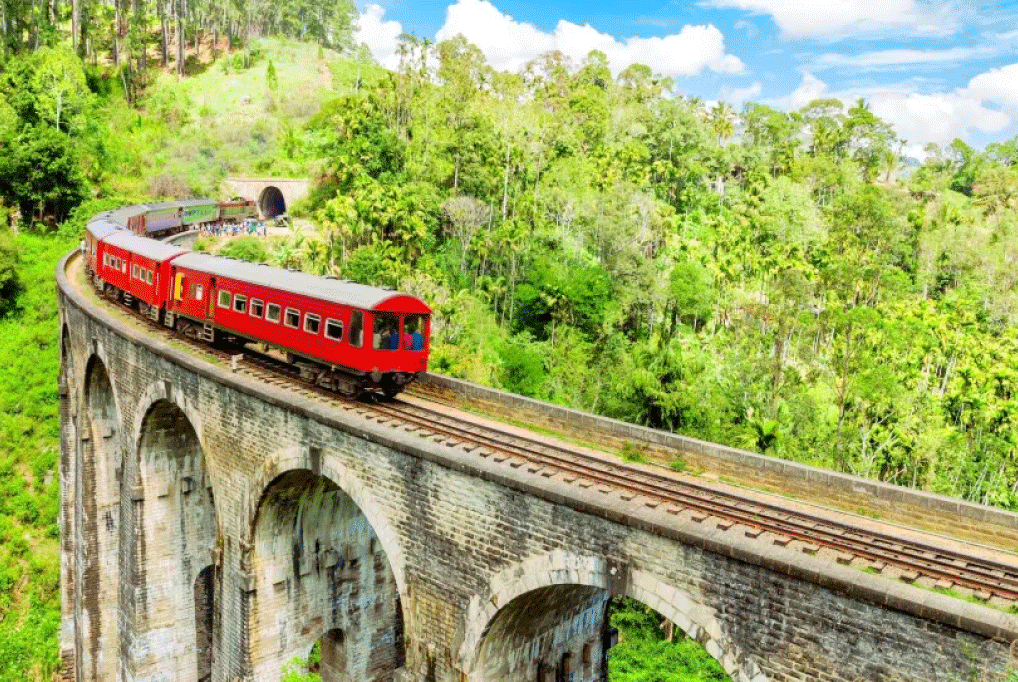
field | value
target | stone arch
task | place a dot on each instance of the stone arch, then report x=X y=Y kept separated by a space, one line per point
x=172 y=529
x=318 y=566
x=565 y=570
x=311 y=459
x=271 y=202
x=166 y=391
x=99 y=487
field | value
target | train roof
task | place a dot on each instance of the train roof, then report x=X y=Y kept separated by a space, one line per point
x=343 y=292
x=162 y=205
x=121 y=215
x=188 y=203
x=101 y=227
x=143 y=246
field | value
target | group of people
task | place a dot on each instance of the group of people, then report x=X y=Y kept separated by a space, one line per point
x=387 y=337
x=251 y=227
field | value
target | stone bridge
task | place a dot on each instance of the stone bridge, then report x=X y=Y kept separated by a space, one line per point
x=216 y=528
x=275 y=196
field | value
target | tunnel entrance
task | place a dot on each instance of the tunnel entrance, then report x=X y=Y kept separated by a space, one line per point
x=271 y=202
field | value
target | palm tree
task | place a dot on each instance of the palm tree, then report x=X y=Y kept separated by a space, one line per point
x=723 y=121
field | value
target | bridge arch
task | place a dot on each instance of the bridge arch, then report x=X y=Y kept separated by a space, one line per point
x=271 y=202
x=304 y=458
x=317 y=558
x=172 y=527
x=584 y=576
x=100 y=483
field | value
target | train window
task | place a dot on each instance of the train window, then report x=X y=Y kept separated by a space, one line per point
x=240 y=303
x=272 y=314
x=197 y=292
x=356 y=329
x=334 y=329
x=257 y=307
x=148 y=276
x=135 y=272
x=312 y=323
x=416 y=325
x=193 y=290
x=386 y=328
x=292 y=318
x=224 y=298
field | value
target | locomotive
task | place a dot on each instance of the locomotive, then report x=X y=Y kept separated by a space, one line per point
x=348 y=337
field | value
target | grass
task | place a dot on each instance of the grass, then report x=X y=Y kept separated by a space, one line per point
x=29 y=456
x=191 y=134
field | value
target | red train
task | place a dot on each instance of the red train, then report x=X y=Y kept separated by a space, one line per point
x=349 y=337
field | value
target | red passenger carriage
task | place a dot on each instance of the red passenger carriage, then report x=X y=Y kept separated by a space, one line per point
x=345 y=335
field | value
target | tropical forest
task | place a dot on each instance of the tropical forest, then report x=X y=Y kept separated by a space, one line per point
x=786 y=282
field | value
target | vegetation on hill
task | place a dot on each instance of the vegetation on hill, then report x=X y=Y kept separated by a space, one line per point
x=761 y=279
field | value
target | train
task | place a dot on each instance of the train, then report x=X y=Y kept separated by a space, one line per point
x=168 y=217
x=351 y=338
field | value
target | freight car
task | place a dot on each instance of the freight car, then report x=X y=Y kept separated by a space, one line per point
x=348 y=337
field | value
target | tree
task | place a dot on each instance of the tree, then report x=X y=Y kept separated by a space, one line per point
x=10 y=283
x=43 y=174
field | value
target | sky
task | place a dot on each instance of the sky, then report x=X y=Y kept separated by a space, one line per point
x=935 y=70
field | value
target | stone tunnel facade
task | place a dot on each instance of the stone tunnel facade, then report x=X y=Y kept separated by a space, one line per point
x=214 y=528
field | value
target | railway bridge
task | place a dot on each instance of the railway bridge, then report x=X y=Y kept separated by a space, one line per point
x=216 y=527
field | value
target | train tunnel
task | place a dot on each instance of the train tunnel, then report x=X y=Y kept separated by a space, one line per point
x=271 y=202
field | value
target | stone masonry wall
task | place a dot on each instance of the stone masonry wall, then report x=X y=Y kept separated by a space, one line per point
x=445 y=541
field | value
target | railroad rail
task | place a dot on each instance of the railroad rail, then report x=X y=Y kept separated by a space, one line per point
x=911 y=556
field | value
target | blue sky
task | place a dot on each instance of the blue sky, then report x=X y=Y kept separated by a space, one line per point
x=935 y=70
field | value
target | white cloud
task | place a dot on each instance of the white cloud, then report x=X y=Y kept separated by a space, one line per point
x=509 y=44
x=939 y=117
x=819 y=19
x=999 y=86
x=921 y=118
x=891 y=58
x=809 y=89
x=739 y=95
x=381 y=37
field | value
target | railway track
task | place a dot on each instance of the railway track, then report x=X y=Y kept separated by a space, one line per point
x=899 y=557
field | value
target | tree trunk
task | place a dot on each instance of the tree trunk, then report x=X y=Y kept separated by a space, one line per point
x=166 y=34
x=77 y=43
x=181 y=43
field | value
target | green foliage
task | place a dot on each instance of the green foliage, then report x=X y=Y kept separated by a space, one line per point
x=43 y=174
x=246 y=248
x=644 y=654
x=29 y=489
x=10 y=282
x=297 y=671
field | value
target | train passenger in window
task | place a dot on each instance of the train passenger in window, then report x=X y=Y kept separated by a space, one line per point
x=386 y=328
x=415 y=338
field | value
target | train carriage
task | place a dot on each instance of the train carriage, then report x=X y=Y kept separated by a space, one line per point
x=97 y=229
x=199 y=212
x=131 y=218
x=237 y=211
x=147 y=271
x=342 y=334
x=163 y=218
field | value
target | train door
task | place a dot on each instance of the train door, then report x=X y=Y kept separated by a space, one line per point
x=212 y=298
